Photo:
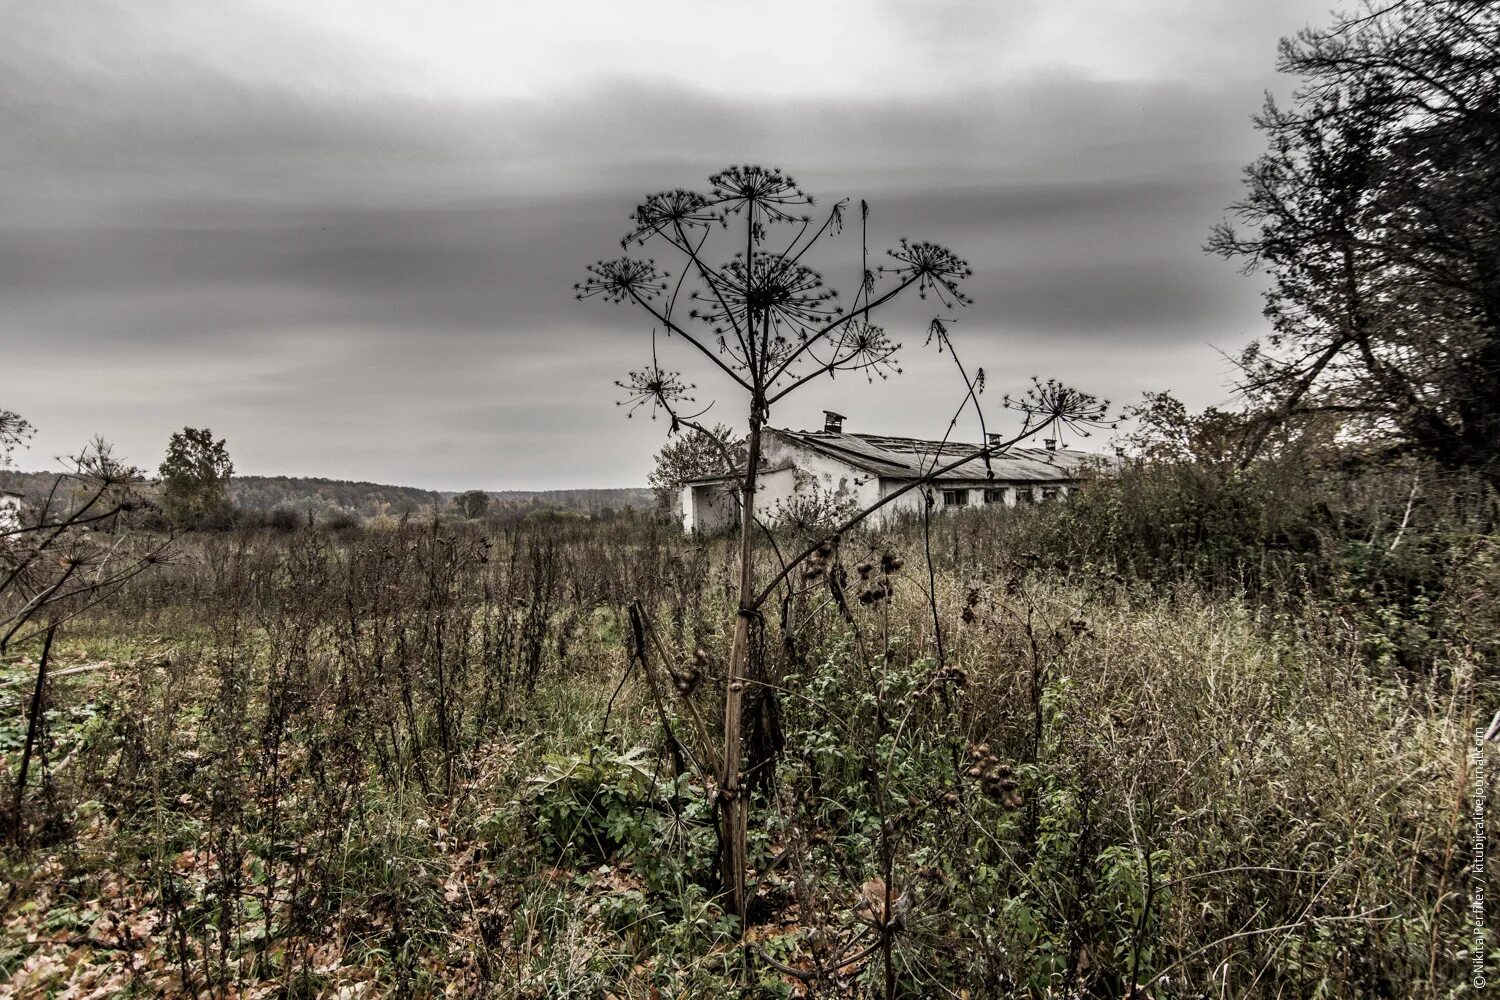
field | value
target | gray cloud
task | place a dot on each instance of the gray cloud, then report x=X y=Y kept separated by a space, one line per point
x=377 y=285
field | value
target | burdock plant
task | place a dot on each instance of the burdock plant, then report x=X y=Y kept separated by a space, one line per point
x=770 y=323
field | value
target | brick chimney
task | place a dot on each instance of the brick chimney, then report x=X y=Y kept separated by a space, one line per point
x=1050 y=443
x=833 y=423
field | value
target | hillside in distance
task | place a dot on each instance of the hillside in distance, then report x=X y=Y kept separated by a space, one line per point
x=316 y=495
x=367 y=499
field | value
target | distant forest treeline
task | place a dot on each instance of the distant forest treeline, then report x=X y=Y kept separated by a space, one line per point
x=316 y=495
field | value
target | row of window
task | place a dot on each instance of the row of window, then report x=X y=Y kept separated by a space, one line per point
x=1024 y=495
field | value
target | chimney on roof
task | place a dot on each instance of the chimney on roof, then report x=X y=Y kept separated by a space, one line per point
x=996 y=440
x=833 y=423
x=1051 y=443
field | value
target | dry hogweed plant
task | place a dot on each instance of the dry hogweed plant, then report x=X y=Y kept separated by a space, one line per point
x=745 y=300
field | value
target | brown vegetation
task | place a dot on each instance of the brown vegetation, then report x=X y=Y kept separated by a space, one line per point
x=1179 y=733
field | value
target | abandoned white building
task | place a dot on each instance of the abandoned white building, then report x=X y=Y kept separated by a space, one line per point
x=804 y=473
x=10 y=510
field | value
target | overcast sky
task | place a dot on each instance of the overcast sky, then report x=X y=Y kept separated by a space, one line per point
x=343 y=234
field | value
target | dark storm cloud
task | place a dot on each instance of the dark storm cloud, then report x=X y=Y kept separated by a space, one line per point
x=371 y=285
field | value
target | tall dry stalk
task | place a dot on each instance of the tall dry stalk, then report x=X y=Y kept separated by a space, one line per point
x=769 y=323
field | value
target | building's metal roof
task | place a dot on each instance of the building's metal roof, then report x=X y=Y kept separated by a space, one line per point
x=913 y=458
x=727 y=477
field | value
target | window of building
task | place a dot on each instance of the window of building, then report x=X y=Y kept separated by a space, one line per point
x=1023 y=496
x=955 y=498
x=1050 y=494
x=994 y=495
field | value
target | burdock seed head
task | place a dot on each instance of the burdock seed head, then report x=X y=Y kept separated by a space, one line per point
x=996 y=780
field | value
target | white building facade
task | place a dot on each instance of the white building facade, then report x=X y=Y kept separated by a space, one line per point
x=10 y=510
x=807 y=474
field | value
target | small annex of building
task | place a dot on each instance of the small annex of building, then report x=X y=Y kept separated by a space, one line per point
x=10 y=510
x=804 y=473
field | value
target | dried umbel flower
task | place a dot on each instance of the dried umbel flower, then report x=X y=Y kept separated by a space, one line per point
x=766 y=191
x=1051 y=402
x=932 y=268
x=891 y=563
x=656 y=388
x=788 y=295
x=874 y=595
x=864 y=569
x=622 y=278
x=670 y=211
x=863 y=346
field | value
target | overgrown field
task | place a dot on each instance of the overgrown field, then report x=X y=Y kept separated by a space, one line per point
x=1199 y=736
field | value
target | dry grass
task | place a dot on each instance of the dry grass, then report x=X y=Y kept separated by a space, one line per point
x=375 y=764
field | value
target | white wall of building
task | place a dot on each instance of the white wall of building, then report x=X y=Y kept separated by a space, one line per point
x=10 y=512
x=713 y=507
x=836 y=480
x=977 y=493
x=709 y=507
x=808 y=474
